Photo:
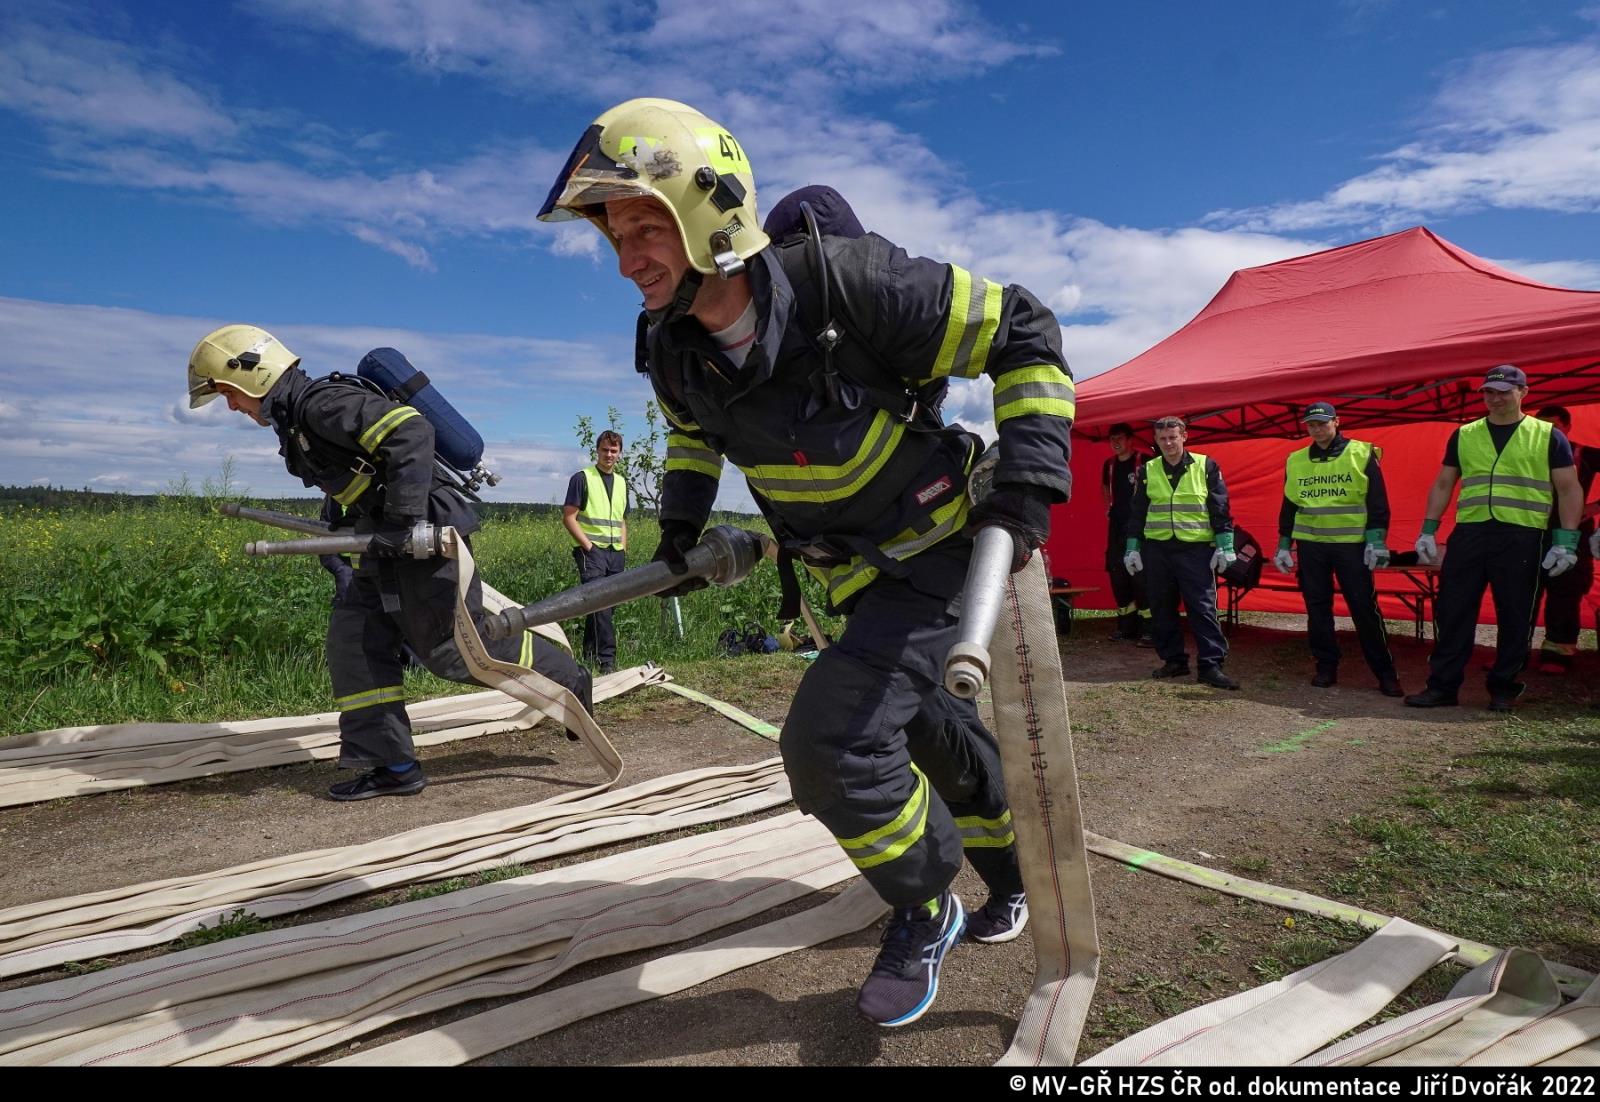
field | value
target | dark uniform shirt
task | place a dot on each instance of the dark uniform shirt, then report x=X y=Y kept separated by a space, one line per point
x=1377 y=493
x=1120 y=476
x=1217 y=508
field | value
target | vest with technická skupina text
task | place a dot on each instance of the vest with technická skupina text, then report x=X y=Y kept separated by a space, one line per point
x=1330 y=497
x=1177 y=512
x=1512 y=487
x=601 y=515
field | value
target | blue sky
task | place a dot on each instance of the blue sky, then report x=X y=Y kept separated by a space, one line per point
x=353 y=173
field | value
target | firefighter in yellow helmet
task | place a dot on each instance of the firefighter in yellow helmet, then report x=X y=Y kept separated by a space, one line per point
x=375 y=458
x=815 y=364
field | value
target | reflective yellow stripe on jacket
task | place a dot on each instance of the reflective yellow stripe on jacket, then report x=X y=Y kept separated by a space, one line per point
x=1042 y=388
x=376 y=434
x=970 y=326
x=844 y=581
x=823 y=482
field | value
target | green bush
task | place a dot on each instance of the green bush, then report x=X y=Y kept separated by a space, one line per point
x=141 y=601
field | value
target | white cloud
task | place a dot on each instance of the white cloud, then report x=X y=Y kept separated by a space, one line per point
x=1516 y=129
x=67 y=419
x=1583 y=275
x=66 y=76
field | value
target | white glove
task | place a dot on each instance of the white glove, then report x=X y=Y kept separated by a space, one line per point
x=1594 y=544
x=1220 y=560
x=1375 y=555
x=1284 y=561
x=1559 y=561
x=1427 y=549
x=1132 y=563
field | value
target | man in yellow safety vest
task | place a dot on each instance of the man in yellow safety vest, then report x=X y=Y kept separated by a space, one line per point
x=1513 y=469
x=1180 y=513
x=595 y=517
x=1335 y=507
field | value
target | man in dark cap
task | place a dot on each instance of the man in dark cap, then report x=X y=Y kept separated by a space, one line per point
x=1513 y=471
x=1336 y=508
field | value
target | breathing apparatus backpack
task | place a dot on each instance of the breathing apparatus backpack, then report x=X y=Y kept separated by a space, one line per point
x=457 y=447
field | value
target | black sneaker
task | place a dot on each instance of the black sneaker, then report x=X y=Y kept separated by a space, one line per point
x=1172 y=669
x=1390 y=686
x=1502 y=703
x=1431 y=698
x=1002 y=918
x=1213 y=676
x=905 y=977
x=381 y=781
x=607 y=667
x=1325 y=677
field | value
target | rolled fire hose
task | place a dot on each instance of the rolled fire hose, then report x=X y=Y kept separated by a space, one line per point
x=1041 y=776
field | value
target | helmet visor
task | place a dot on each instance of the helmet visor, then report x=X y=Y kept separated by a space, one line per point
x=590 y=178
x=201 y=388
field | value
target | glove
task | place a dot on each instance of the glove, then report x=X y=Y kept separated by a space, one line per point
x=1375 y=554
x=677 y=536
x=1223 y=555
x=1023 y=510
x=391 y=540
x=1427 y=549
x=1132 y=562
x=1563 y=555
x=1284 y=559
x=1594 y=544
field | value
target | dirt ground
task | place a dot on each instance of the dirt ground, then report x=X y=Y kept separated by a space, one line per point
x=1251 y=782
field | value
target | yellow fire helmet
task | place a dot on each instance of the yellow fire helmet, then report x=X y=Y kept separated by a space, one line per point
x=666 y=150
x=242 y=356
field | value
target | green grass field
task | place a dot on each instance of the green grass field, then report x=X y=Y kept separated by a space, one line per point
x=116 y=609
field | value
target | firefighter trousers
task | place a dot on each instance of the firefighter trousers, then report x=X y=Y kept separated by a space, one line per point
x=412 y=602
x=903 y=774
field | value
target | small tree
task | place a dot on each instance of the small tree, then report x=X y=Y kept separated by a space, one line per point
x=643 y=462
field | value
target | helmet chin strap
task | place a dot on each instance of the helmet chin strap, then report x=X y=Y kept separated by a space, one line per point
x=682 y=299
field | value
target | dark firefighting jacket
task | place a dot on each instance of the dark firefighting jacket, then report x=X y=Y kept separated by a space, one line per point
x=372 y=455
x=859 y=489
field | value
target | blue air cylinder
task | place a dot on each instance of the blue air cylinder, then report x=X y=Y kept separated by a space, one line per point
x=454 y=441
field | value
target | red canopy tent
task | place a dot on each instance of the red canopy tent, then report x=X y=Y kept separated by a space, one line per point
x=1396 y=331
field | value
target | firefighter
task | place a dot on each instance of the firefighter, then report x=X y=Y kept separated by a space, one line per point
x=1564 y=593
x=595 y=515
x=1335 y=507
x=828 y=418
x=1513 y=469
x=1118 y=476
x=374 y=457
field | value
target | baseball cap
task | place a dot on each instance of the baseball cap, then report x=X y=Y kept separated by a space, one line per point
x=1319 y=411
x=1504 y=377
x=1170 y=421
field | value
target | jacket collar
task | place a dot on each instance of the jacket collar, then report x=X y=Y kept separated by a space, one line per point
x=774 y=300
x=277 y=408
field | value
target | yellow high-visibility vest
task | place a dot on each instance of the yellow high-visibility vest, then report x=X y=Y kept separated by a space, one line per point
x=1330 y=497
x=1512 y=486
x=1177 y=512
x=601 y=515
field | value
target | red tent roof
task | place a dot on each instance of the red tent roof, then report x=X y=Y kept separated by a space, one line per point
x=1392 y=330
